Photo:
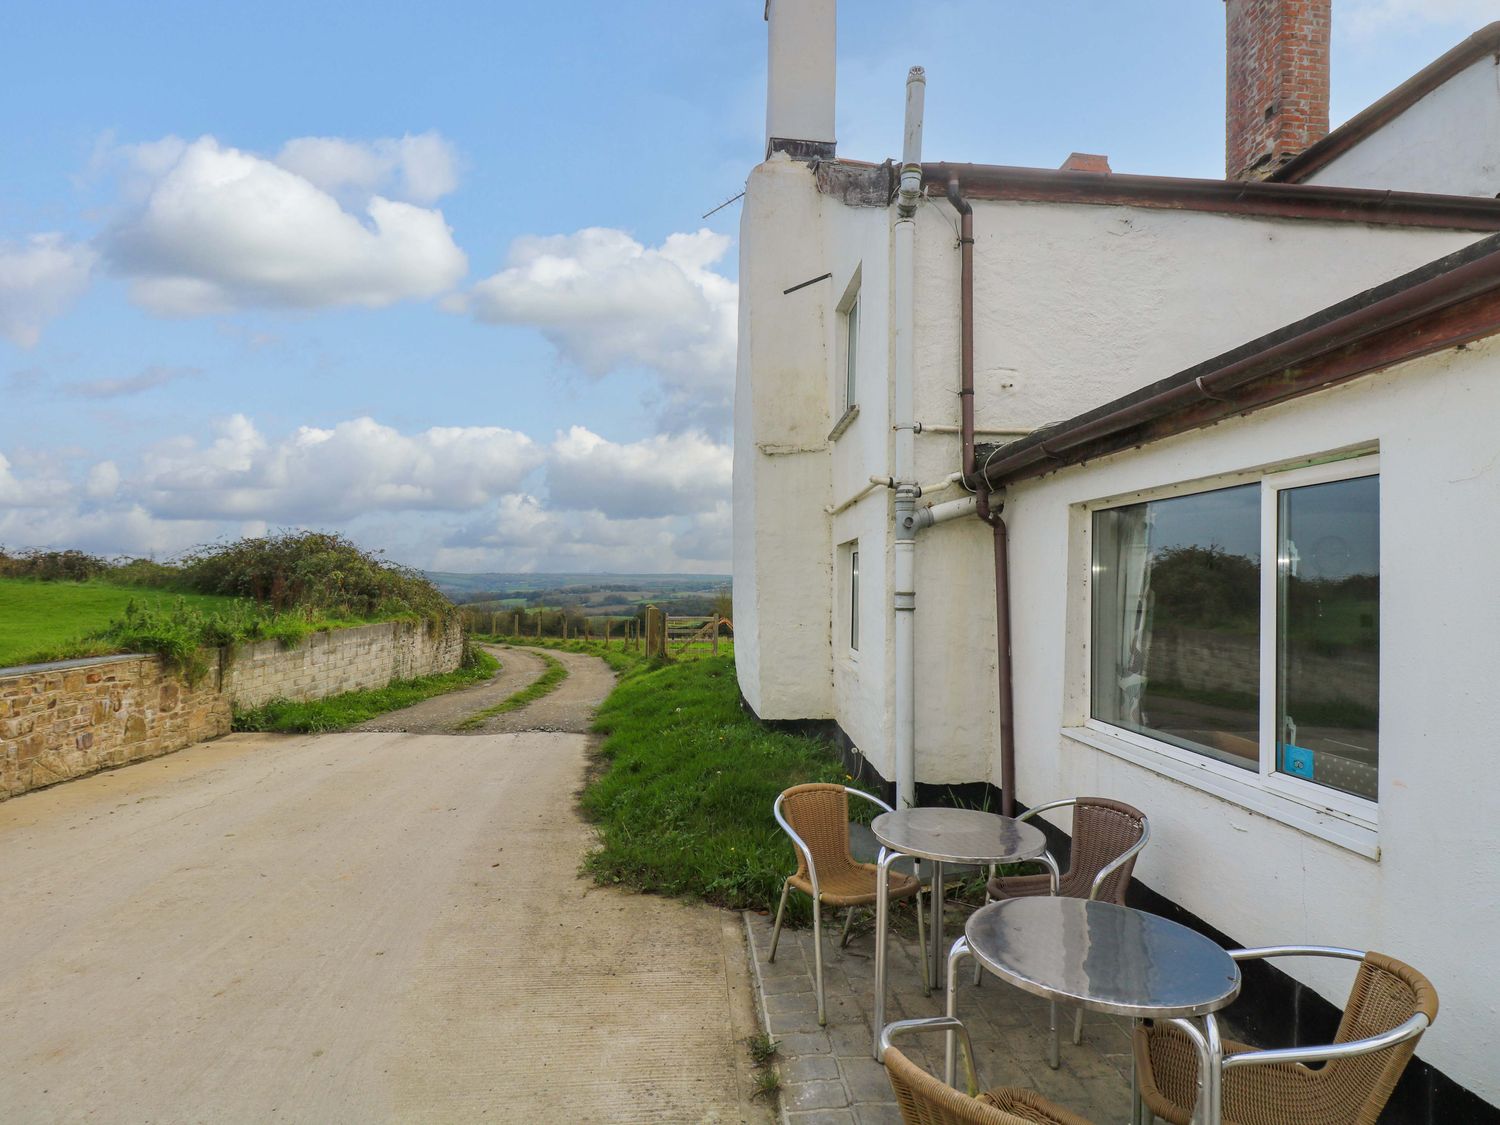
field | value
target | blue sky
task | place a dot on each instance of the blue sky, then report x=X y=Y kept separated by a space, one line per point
x=439 y=279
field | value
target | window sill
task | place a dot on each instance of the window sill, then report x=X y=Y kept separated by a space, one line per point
x=844 y=423
x=1358 y=838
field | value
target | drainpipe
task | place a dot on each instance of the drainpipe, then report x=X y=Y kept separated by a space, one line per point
x=903 y=282
x=975 y=482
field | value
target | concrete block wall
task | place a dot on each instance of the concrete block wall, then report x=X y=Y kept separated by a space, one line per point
x=369 y=656
x=64 y=720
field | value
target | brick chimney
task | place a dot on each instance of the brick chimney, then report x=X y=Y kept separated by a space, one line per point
x=800 y=78
x=1277 y=101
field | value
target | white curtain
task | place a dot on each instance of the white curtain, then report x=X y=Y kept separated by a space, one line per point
x=1122 y=613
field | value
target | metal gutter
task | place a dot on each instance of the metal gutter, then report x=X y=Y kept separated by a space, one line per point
x=1254 y=198
x=1382 y=112
x=1445 y=303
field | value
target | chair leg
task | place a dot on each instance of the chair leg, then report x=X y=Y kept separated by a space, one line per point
x=1054 y=1057
x=848 y=921
x=979 y=969
x=780 y=912
x=1077 y=1027
x=922 y=945
x=818 y=957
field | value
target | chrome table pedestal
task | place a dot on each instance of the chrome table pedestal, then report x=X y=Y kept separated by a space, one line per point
x=941 y=836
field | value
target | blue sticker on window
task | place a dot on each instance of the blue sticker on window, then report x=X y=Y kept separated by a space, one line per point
x=1297 y=760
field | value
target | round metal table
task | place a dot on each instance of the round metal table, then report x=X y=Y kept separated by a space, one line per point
x=941 y=836
x=1100 y=956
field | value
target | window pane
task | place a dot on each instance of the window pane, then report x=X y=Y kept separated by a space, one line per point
x=1328 y=642
x=1176 y=621
x=854 y=600
x=851 y=352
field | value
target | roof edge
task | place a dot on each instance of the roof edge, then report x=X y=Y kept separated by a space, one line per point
x=1451 y=301
x=1257 y=198
x=1485 y=41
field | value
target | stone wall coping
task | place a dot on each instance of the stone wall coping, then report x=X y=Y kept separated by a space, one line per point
x=80 y=662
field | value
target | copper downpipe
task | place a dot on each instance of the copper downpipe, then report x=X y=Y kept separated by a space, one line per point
x=975 y=482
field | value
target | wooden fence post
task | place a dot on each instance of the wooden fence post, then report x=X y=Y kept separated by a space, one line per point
x=607 y=623
x=716 y=634
x=539 y=624
x=516 y=622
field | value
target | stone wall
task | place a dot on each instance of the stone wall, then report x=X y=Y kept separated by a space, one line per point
x=59 y=721
x=64 y=720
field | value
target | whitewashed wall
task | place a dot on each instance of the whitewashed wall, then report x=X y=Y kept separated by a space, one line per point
x=1076 y=305
x=1448 y=142
x=783 y=556
x=1432 y=897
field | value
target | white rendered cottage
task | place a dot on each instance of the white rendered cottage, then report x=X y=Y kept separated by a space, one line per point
x=1247 y=584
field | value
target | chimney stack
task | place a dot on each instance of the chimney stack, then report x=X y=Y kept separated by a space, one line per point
x=1277 y=103
x=800 y=78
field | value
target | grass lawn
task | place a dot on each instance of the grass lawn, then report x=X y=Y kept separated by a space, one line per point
x=340 y=712
x=683 y=806
x=50 y=620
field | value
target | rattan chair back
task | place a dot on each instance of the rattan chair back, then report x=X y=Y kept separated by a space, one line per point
x=924 y=1100
x=1350 y=1091
x=819 y=813
x=1386 y=993
x=1103 y=830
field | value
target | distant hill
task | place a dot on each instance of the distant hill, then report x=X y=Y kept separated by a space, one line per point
x=593 y=590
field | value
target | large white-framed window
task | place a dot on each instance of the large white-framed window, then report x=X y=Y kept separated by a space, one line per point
x=1235 y=630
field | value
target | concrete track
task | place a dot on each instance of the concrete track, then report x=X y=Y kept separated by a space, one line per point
x=351 y=928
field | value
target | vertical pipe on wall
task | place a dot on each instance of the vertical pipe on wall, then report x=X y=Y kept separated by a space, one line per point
x=903 y=300
x=977 y=483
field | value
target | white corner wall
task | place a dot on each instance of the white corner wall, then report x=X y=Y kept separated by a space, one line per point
x=1448 y=142
x=783 y=556
x=1433 y=895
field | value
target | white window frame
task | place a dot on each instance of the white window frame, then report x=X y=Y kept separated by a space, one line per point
x=1264 y=789
x=850 y=351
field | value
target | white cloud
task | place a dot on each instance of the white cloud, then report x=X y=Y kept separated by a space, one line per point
x=333 y=474
x=446 y=497
x=606 y=302
x=419 y=169
x=1369 y=16
x=148 y=378
x=659 y=476
x=220 y=229
x=39 y=491
x=39 y=279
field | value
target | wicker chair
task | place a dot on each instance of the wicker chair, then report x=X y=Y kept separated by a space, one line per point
x=816 y=817
x=1389 y=1007
x=1107 y=837
x=924 y=1100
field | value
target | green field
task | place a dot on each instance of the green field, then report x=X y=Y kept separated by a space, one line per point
x=45 y=620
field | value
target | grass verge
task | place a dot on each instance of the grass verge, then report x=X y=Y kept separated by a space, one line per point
x=545 y=684
x=340 y=712
x=683 y=806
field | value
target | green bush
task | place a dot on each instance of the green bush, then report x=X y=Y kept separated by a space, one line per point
x=317 y=570
x=52 y=566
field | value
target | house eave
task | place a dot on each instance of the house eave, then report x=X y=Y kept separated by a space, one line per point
x=1449 y=302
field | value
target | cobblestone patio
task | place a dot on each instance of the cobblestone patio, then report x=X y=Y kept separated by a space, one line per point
x=828 y=1076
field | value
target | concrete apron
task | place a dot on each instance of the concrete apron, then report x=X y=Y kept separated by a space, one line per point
x=363 y=927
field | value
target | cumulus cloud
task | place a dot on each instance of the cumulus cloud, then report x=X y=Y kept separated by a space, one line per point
x=659 y=476
x=419 y=169
x=446 y=497
x=333 y=474
x=1368 y=16
x=219 y=229
x=39 y=279
x=148 y=378
x=607 y=302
